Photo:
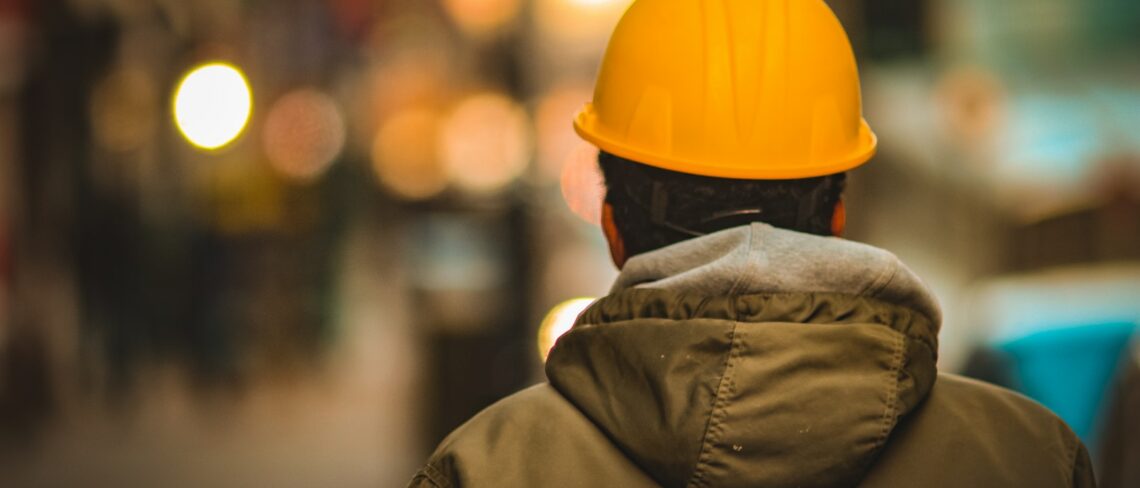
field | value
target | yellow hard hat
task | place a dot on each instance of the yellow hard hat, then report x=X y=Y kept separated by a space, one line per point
x=746 y=89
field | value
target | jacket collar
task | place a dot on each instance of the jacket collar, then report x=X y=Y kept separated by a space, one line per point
x=761 y=259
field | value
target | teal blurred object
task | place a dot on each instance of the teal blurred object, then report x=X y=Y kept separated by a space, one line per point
x=1021 y=34
x=1070 y=370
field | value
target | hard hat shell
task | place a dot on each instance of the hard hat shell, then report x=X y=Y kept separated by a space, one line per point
x=746 y=89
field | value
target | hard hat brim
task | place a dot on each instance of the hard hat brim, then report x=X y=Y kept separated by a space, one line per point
x=588 y=128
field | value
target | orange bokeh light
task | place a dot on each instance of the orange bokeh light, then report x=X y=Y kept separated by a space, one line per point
x=404 y=155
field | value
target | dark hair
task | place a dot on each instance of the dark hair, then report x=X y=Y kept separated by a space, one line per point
x=654 y=208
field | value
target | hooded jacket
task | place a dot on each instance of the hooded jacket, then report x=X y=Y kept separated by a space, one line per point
x=759 y=357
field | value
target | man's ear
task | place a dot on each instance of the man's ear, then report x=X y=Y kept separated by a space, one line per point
x=839 y=219
x=609 y=228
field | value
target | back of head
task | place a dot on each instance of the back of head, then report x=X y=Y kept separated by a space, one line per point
x=653 y=208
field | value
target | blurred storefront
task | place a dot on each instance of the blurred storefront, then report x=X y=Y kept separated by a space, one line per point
x=295 y=242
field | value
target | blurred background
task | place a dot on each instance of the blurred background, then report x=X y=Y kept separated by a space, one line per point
x=296 y=242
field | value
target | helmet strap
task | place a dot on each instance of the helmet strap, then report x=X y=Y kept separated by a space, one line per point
x=659 y=210
x=659 y=200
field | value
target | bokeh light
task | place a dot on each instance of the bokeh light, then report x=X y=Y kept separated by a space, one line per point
x=304 y=134
x=486 y=143
x=482 y=17
x=412 y=69
x=212 y=105
x=559 y=321
x=405 y=157
x=579 y=20
x=583 y=186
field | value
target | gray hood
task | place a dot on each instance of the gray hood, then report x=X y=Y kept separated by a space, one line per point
x=754 y=357
x=763 y=259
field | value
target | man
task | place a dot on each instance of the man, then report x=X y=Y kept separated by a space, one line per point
x=743 y=345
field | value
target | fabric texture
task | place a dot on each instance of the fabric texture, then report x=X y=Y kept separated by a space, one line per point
x=759 y=357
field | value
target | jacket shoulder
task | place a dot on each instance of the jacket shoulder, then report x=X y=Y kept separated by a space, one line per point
x=970 y=433
x=533 y=438
x=980 y=401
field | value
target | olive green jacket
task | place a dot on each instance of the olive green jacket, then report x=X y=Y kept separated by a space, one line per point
x=758 y=357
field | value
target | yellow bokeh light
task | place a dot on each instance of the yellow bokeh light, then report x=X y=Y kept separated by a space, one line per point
x=212 y=105
x=559 y=321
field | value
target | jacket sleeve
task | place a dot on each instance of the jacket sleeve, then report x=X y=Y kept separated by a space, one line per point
x=1083 y=476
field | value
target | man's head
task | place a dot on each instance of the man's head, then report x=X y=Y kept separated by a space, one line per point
x=648 y=208
x=723 y=113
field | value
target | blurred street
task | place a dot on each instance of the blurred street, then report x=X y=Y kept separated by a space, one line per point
x=350 y=423
x=294 y=243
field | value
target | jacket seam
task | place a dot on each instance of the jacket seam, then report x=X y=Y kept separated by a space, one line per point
x=714 y=426
x=435 y=477
x=892 y=378
x=747 y=272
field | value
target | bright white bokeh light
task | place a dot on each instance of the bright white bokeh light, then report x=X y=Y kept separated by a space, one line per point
x=212 y=105
x=559 y=321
